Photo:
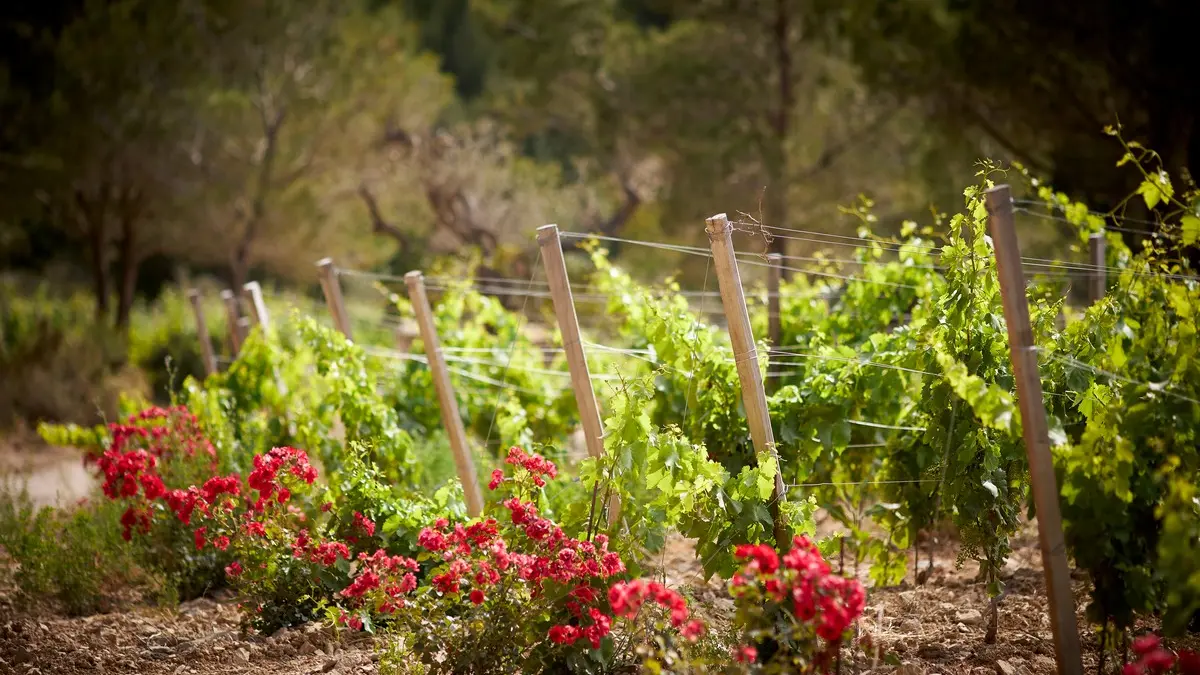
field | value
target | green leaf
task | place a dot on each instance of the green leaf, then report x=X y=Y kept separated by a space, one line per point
x=1155 y=189
x=1191 y=229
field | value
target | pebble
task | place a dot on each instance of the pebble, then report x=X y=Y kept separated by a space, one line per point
x=159 y=651
x=910 y=626
x=329 y=665
x=1005 y=668
x=963 y=629
x=306 y=648
x=243 y=654
x=970 y=617
x=908 y=598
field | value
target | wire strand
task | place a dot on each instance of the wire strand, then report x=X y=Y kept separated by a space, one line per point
x=1152 y=386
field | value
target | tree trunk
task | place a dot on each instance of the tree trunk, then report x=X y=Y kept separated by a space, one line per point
x=777 y=166
x=129 y=261
x=99 y=268
x=239 y=267
x=93 y=218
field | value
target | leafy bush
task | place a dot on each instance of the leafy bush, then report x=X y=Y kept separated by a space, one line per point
x=513 y=593
x=164 y=345
x=72 y=558
x=792 y=610
x=1154 y=659
x=57 y=362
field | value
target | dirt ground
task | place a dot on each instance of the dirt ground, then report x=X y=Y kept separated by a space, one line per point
x=937 y=627
x=51 y=475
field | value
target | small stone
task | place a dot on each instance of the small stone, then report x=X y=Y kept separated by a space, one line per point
x=329 y=665
x=910 y=626
x=243 y=655
x=161 y=651
x=307 y=648
x=970 y=617
x=1044 y=664
x=1005 y=668
x=963 y=629
x=179 y=669
x=1010 y=569
x=908 y=598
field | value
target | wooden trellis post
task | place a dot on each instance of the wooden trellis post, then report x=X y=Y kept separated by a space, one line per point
x=333 y=296
x=1035 y=430
x=447 y=402
x=774 y=325
x=233 y=318
x=1098 y=280
x=745 y=354
x=568 y=325
x=206 y=348
x=258 y=308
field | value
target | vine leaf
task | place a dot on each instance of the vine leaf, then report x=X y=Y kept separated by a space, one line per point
x=1191 y=229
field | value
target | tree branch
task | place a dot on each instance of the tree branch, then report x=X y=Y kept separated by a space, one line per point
x=833 y=152
x=378 y=224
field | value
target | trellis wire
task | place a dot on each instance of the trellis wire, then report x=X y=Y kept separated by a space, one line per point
x=1153 y=386
x=692 y=250
x=513 y=345
x=1140 y=221
x=865 y=362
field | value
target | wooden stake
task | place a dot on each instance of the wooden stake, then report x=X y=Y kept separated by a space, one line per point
x=333 y=296
x=451 y=419
x=206 y=348
x=233 y=318
x=568 y=325
x=1099 y=278
x=1035 y=429
x=258 y=308
x=774 y=321
x=745 y=354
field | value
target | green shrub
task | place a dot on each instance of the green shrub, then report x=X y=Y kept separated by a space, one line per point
x=57 y=363
x=73 y=559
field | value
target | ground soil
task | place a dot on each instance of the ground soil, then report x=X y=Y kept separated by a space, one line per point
x=50 y=475
x=937 y=627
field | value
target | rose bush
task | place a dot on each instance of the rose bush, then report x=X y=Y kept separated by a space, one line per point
x=510 y=591
x=792 y=611
x=1155 y=659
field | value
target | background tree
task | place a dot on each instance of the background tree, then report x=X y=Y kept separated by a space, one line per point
x=105 y=138
x=1040 y=79
x=295 y=102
